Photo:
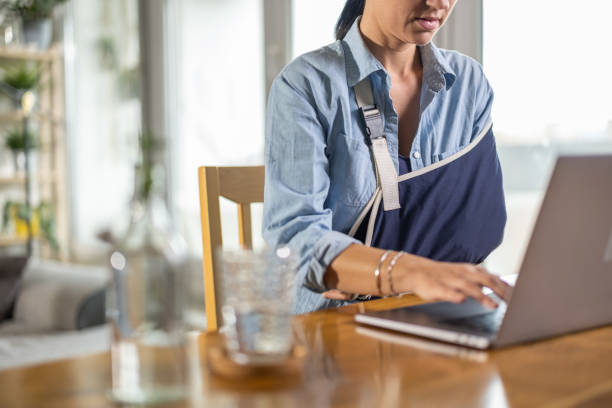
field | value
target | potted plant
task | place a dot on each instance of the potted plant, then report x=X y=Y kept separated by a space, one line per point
x=17 y=215
x=15 y=141
x=23 y=77
x=41 y=220
x=35 y=16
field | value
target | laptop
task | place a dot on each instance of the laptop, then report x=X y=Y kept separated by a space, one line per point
x=565 y=280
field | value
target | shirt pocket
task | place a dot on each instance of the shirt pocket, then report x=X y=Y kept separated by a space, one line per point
x=353 y=176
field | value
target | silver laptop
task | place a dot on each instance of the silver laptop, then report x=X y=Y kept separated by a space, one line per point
x=565 y=281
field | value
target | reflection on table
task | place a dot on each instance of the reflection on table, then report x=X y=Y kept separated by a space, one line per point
x=348 y=365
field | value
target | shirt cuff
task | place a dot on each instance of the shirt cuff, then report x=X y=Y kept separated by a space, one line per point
x=326 y=249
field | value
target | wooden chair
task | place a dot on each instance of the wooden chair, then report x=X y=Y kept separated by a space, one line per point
x=242 y=185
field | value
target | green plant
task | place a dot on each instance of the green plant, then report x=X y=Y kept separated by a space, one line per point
x=44 y=214
x=30 y=10
x=107 y=52
x=15 y=140
x=128 y=82
x=22 y=76
x=21 y=212
x=6 y=214
x=149 y=147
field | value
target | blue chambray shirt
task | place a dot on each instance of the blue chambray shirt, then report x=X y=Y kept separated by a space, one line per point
x=319 y=170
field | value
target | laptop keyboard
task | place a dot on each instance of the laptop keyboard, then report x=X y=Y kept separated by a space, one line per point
x=484 y=323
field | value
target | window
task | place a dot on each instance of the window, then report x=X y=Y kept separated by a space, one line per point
x=221 y=104
x=548 y=63
x=103 y=115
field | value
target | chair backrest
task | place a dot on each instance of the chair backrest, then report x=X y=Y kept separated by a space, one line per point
x=242 y=185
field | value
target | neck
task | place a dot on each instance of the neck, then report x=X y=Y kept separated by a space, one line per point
x=399 y=58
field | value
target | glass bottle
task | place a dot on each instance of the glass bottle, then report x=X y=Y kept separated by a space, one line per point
x=145 y=302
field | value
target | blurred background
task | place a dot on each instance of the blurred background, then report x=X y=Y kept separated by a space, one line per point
x=196 y=74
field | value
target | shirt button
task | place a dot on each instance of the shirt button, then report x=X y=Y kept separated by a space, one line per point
x=416 y=155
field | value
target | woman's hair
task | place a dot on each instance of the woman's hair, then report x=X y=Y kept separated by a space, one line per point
x=352 y=9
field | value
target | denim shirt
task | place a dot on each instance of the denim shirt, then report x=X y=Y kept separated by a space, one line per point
x=319 y=170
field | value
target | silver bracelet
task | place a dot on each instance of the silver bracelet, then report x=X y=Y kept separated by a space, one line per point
x=390 y=269
x=377 y=271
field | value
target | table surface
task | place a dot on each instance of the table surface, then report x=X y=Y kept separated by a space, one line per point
x=349 y=365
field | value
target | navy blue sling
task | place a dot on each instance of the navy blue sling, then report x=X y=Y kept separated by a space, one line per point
x=452 y=210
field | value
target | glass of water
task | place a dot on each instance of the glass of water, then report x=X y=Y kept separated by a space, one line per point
x=257 y=304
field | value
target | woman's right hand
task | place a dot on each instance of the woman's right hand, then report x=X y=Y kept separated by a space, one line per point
x=447 y=281
x=353 y=272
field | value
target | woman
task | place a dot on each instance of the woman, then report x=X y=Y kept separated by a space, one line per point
x=381 y=168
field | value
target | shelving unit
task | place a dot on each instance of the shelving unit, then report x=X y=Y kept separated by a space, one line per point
x=10 y=241
x=19 y=180
x=50 y=180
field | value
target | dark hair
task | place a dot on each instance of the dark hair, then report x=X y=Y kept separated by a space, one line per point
x=352 y=9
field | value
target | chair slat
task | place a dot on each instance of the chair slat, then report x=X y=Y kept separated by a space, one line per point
x=242 y=185
x=245 y=234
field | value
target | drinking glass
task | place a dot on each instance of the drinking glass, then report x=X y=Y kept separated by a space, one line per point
x=258 y=297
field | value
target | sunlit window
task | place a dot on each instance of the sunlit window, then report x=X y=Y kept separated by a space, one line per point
x=549 y=64
x=550 y=69
x=220 y=110
x=103 y=115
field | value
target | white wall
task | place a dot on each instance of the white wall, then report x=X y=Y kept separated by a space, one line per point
x=463 y=30
x=313 y=23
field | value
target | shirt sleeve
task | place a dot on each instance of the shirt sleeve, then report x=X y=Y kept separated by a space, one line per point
x=483 y=103
x=297 y=183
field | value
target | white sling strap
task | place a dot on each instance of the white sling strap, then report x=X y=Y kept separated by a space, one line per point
x=385 y=169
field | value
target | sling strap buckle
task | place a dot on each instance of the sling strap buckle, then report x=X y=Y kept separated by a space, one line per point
x=386 y=173
x=373 y=122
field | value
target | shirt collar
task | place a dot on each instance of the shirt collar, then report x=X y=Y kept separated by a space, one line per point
x=437 y=73
x=360 y=62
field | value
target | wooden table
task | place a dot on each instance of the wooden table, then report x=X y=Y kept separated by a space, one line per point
x=352 y=366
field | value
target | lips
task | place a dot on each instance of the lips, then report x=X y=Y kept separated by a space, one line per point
x=429 y=23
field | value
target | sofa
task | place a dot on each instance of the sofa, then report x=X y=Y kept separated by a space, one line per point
x=56 y=311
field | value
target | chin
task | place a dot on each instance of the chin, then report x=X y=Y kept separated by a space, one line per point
x=422 y=38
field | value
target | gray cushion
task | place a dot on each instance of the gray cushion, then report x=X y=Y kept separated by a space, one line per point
x=57 y=296
x=11 y=269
